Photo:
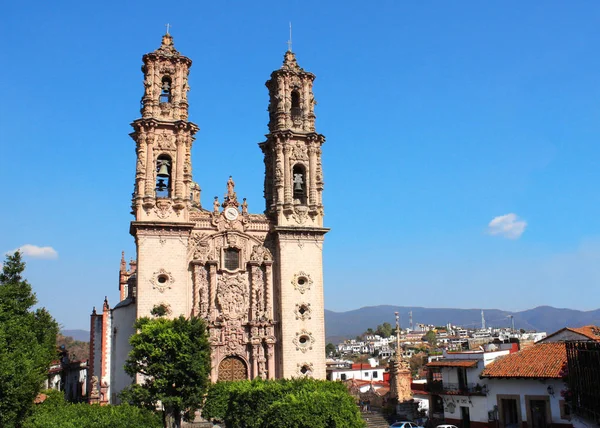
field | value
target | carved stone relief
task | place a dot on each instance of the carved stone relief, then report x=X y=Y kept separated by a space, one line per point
x=303 y=311
x=302 y=282
x=162 y=280
x=233 y=295
x=305 y=369
x=304 y=341
x=260 y=253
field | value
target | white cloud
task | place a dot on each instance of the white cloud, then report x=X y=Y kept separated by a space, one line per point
x=508 y=226
x=36 y=252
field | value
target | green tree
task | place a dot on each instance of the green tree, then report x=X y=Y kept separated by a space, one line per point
x=385 y=329
x=27 y=344
x=431 y=338
x=173 y=356
x=330 y=349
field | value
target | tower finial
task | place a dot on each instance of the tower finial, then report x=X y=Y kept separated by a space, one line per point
x=168 y=27
x=289 y=42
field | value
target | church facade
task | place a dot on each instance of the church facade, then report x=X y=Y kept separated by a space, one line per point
x=256 y=279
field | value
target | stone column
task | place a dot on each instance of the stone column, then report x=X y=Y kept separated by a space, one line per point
x=255 y=361
x=287 y=175
x=312 y=162
x=150 y=167
x=180 y=144
x=212 y=288
x=270 y=361
x=268 y=289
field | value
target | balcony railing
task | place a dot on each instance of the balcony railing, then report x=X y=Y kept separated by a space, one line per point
x=583 y=378
x=439 y=387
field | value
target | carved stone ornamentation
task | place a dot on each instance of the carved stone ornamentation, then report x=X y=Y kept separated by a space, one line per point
x=233 y=295
x=305 y=369
x=304 y=341
x=258 y=288
x=300 y=214
x=162 y=280
x=163 y=208
x=260 y=253
x=299 y=152
x=201 y=281
x=303 y=311
x=165 y=142
x=302 y=282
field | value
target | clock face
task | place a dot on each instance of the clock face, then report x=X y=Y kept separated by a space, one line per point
x=231 y=213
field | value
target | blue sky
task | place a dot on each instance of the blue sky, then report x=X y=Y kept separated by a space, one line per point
x=461 y=162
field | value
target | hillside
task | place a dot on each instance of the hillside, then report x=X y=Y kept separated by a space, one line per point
x=543 y=318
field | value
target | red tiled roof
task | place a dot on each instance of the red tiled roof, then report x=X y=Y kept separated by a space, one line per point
x=589 y=331
x=543 y=360
x=453 y=363
x=592 y=332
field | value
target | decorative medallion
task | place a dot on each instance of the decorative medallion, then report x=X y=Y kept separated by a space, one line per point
x=161 y=280
x=305 y=369
x=300 y=214
x=304 y=341
x=302 y=282
x=303 y=311
x=163 y=208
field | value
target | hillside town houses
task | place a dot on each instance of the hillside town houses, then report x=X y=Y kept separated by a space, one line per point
x=488 y=378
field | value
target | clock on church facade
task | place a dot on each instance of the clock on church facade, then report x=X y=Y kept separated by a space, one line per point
x=256 y=279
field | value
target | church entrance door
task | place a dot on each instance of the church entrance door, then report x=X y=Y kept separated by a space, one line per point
x=233 y=368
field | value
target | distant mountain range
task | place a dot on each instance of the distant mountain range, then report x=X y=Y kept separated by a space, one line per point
x=344 y=325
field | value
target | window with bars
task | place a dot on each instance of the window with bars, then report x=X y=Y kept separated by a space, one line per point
x=231 y=258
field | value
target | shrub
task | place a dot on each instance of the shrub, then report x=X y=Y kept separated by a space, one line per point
x=282 y=403
x=55 y=412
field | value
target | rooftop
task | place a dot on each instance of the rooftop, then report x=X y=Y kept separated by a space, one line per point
x=544 y=360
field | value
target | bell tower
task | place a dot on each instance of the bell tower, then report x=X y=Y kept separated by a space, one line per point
x=163 y=136
x=164 y=193
x=293 y=172
x=294 y=205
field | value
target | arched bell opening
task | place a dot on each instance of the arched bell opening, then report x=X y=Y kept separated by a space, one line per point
x=296 y=109
x=232 y=368
x=299 y=183
x=163 y=176
x=165 y=90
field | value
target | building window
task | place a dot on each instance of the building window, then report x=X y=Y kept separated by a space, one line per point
x=299 y=183
x=375 y=375
x=343 y=376
x=231 y=258
x=165 y=91
x=163 y=177
x=296 y=110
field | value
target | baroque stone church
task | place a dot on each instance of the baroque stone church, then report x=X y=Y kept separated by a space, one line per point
x=257 y=279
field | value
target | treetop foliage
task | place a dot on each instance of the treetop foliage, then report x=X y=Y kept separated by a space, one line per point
x=173 y=355
x=27 y=344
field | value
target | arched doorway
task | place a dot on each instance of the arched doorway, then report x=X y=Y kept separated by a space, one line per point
x=233 y=368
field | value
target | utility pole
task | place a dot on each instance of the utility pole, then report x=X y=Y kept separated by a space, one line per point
x=410 y=320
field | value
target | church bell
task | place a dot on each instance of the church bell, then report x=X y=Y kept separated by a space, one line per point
x=163 y=171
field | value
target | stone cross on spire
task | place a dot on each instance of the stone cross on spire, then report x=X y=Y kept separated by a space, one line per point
x=289 y=42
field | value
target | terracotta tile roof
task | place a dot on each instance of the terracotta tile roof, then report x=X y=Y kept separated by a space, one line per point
x=590 y=331
x=543 y=360
x=453 y=363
